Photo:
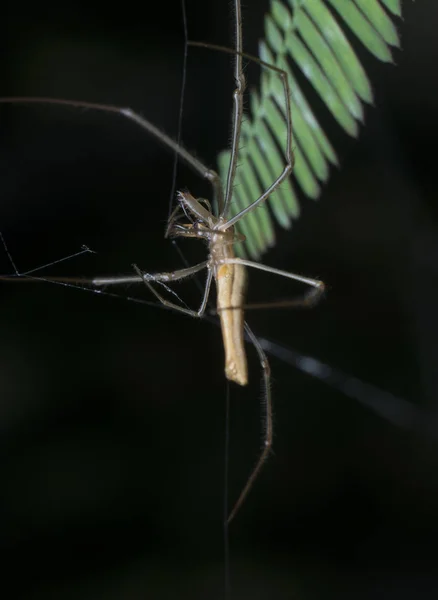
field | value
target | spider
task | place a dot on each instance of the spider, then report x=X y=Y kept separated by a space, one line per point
x=195 y=218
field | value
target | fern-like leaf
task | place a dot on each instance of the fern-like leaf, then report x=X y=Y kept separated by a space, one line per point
x=308 y=35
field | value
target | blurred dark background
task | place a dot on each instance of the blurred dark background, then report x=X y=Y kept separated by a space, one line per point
x=112 y=413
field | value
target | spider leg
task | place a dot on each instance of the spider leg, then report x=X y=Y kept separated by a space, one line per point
x=148 y=277
x=266 y=409
x=315 y=283
x=237 y=125
x=211 y=176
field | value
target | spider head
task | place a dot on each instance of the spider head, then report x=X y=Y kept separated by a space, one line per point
x=193 y=230
x=201 y=220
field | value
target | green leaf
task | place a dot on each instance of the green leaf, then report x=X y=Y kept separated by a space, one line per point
x=341 y=48
x=321 y=84
x=380 y=20
x=308 y=35
x=394 y=6
x=357 y=22
x=329 y=64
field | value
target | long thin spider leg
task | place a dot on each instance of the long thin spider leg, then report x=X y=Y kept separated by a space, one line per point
x=166 y=277
x=191 y=160
x=388 y=406
x=236 y=119
x=237 y=108
x=160 y=278
x=72 y=282
x=307 y=300
x=268 y=424
x=148 y=277
x=316 y=283
x=288 y=150
x=84 y=250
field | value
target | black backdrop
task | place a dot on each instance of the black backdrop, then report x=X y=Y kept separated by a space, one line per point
x=112 y=413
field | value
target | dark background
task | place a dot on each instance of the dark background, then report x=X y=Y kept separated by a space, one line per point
x=112 y=413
